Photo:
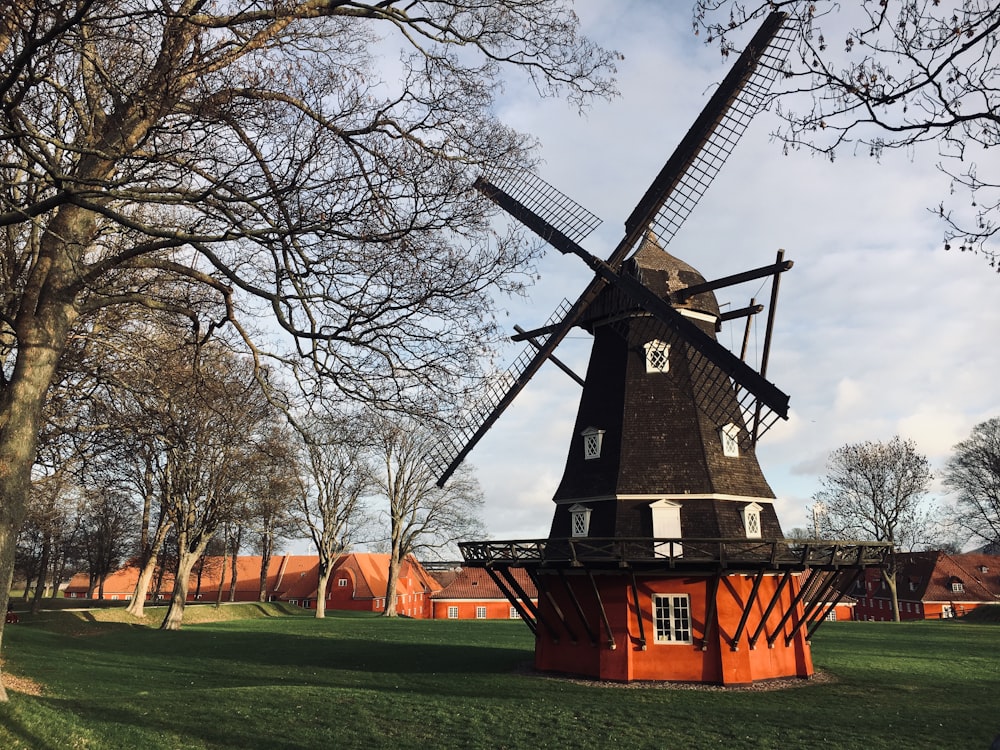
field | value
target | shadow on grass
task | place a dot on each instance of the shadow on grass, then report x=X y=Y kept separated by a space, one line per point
x=230 y=688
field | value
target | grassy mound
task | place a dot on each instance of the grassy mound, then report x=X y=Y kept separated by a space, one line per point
x=97 y=620
x=986 y=613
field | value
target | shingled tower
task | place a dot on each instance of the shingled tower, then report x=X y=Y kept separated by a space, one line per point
x=644 y=434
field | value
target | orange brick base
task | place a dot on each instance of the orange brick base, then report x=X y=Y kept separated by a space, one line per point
x=714 y=655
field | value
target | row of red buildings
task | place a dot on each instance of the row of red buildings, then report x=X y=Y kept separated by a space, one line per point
x=358 y=583
x=930 y=586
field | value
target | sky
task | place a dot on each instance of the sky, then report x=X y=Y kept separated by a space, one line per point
x=879 y=330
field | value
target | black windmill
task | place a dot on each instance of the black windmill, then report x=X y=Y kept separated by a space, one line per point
x=664 y=530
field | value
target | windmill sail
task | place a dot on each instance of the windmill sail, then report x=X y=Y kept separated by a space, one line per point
x=663 y=208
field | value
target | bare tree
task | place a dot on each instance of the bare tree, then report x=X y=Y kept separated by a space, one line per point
x=972 y=473
x=337 y=478
x=421 y=516
x=269 y=156
x=108 y=522
x=872 y=76
x=873 y=491
x=271 y=507
x=221 y=419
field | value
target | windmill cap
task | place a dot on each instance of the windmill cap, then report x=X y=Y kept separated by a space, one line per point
x=665 y=274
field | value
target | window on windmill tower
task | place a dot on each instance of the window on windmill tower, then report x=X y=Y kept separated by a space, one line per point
x=751 y=520
x=672 y=618
x=579 y=520
x=657 y=356
x=730 y=436
x=593 y=438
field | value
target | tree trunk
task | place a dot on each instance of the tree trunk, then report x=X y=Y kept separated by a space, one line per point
x=44 y=319
x=7 y=534
x=138 y=603
x=890 y=581
x=222 y=577
x=136 y=607
x=322 y=580
x=185 y=564
x=43 y=568
x=266 y=550
x=391 y=585
x=234 y=570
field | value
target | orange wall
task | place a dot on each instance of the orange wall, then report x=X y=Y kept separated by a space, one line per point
x=495 y=610
x=710 y=657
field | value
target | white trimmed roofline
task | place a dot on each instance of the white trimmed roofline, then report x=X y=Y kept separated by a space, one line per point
x=668 y=496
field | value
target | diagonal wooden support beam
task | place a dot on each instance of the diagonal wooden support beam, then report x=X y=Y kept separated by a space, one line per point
x=578 y=607
x=770 y=607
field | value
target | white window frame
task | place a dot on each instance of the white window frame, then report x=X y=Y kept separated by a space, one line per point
x=579 y=520
x=593 y=441
x=831 y=615
x=514 y=614
x=657 y=356
x=342 y=583
x=957 y=587
x=452 y=612
x=672 y=624
x=729 y=434
x=480 y=613
x=751 y=520
x=667 y=525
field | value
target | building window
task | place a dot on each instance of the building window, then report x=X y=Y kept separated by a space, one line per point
x=730 y=436
x=751 y=520
x=672 y=618
x=342 y=582
x=657 y=356
x=452 y=613
x=514 y=614
x=579 y=519
x=984 y=569
x=832 y=615
x=957 y=587
x=480 y=613
x=592 y=440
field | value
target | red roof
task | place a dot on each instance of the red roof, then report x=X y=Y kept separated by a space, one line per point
x=476 y=584
x=288 y=577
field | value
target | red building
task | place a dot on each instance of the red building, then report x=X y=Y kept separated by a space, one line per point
x=930 y=586
x=357 y=583
x=471 y=594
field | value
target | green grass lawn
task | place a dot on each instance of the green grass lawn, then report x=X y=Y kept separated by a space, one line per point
x=366 y=682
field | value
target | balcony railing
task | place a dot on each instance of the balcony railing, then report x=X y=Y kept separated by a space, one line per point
x=739 y=553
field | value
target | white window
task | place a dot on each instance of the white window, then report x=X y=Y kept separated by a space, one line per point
x=114 y=597
x=452 y=613
x=730 y=436
x=947 y=612
x=832 y=615
x=672 y=618
x=514 y=614
x=480 y=613
x=342 y=582
x=751 y=520
x=579 y=519
x=667 y=525
x=592 y=440
x=657 y=356
x=957 y=587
